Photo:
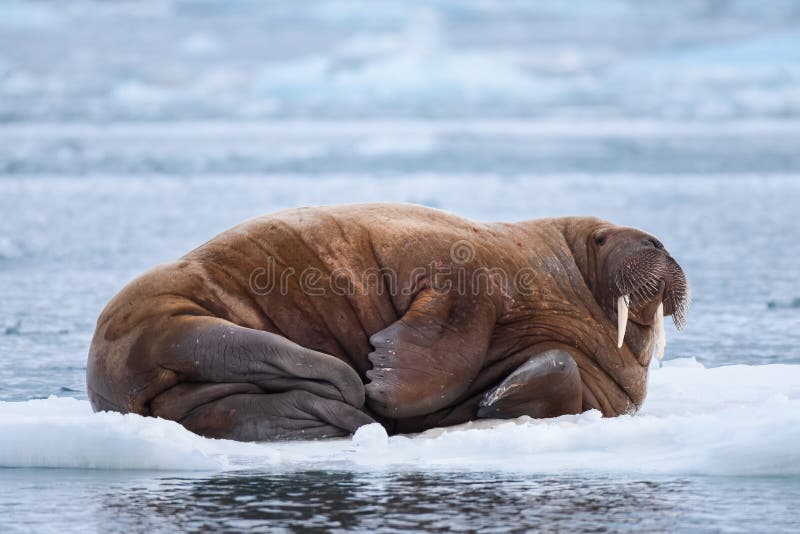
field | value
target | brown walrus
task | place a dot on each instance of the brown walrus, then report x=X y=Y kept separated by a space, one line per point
x=272 y=329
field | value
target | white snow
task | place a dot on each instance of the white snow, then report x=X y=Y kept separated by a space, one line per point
x=733 y=420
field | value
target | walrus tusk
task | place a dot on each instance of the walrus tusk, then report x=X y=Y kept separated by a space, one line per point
x=661 y=337
x=622 y=318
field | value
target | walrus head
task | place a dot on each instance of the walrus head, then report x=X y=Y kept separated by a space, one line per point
x=637 y=283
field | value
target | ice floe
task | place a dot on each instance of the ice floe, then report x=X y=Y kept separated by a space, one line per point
x=732 y=420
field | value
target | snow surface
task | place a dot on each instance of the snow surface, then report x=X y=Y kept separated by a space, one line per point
x=733 y=420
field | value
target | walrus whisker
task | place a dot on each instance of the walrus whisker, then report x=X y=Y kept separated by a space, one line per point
x=679 y=313
x=677 y=297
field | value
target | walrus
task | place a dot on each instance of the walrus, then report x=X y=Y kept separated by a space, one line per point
x=312 y=322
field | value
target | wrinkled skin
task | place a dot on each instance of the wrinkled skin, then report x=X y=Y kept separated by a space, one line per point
x=410 y=316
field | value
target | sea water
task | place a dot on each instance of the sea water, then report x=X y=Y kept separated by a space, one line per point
x=160 y=124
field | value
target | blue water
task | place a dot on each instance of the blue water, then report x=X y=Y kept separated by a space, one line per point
x=132 y=132
x=384 y=502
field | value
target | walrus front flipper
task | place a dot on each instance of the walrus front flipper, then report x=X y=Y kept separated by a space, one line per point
x=427 y=359
x=547 y=385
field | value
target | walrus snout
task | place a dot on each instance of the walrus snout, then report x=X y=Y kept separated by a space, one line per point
x=652 y=283
x=644 y=283
x=641 y=271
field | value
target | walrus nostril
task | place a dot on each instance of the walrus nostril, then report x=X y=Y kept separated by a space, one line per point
x=651 y=242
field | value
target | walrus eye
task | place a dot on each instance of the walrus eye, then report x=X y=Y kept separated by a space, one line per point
x=600 y=240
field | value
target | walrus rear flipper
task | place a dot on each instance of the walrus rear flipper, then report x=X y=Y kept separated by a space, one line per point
x=245 y=384
x=547 y=385
x=230 y=411
x=207 y=349
x=427 y=359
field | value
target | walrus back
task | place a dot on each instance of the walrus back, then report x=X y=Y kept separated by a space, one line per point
x=123 y=371
x=125 y=368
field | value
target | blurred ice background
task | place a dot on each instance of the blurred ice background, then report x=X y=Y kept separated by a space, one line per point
x=133 y=131
x=446 y=86
x=588 y=61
